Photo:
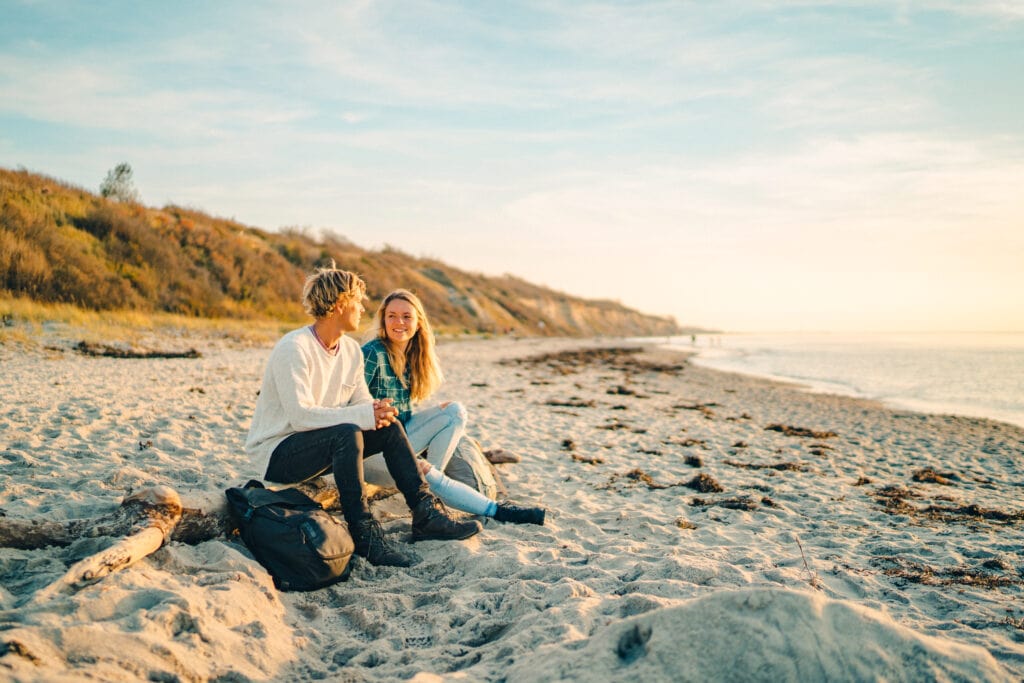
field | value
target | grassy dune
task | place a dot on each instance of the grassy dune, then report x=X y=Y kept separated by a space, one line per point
x=65 y=246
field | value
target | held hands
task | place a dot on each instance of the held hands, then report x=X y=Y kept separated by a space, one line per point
x=384 y=413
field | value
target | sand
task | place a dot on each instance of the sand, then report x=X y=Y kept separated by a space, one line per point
x=685 y=541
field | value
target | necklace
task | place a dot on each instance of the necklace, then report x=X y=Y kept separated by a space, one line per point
x=329 y=349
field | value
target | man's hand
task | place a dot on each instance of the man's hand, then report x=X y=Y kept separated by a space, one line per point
x=384 y=413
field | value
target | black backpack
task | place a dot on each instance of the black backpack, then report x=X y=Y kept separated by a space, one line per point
x=302 y=545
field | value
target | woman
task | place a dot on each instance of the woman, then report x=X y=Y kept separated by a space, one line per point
x=401 y=365
x=314 y=415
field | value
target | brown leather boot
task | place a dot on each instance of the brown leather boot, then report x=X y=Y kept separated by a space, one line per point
x=368 y=536
x=432 y=521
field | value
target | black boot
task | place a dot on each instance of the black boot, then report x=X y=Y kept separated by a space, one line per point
x=432 y=521
x=516 y=514
x=370 y=543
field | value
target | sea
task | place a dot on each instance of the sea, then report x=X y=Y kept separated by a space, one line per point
x=971 y=374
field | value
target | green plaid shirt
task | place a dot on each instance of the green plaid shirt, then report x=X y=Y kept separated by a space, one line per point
x=382 y=380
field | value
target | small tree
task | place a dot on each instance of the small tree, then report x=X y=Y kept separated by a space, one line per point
x=119 y=185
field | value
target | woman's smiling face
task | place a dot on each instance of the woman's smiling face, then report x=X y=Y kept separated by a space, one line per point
x=400 y=322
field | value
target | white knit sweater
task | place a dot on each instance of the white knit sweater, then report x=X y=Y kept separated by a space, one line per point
x=306 y=388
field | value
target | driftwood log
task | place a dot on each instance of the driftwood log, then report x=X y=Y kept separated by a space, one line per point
x=145 y=521
x=153 y=512
x=91 y=349
x=202 y=518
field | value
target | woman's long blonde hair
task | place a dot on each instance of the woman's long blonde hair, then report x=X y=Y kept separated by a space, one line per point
x=425 y=374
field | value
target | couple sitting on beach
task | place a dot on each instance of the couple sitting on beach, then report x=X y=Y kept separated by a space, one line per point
x=322 y=409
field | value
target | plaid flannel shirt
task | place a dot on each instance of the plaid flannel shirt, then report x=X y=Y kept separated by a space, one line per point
x=382 y=380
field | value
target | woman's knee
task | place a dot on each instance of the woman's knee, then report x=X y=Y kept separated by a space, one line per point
x=456 y=413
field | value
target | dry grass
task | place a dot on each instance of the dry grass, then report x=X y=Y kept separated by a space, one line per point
x=63 y=244
x=30 y=324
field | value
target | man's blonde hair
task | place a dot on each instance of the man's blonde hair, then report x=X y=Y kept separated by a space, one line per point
x=328 y=286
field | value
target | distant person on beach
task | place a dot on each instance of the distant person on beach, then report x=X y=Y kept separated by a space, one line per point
x=315 y=415
x=402 y=368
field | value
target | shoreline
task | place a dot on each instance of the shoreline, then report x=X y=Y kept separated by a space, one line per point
x=903 y=392
x=907 y=524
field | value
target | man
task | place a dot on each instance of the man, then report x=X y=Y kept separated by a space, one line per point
x=315 y=415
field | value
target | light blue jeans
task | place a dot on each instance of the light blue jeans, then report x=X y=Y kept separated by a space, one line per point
x=457 y=495
x=437 y=430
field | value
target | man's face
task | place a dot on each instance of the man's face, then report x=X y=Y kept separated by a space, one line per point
x=351 y=312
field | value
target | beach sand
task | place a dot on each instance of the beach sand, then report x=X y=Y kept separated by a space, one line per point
x=702 y=526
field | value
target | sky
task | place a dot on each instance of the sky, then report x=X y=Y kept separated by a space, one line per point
x=741 y=165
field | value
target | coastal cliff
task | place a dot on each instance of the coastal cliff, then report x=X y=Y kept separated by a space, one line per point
x=64 y=244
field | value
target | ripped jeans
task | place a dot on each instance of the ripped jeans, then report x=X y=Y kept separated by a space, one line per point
x=437 y=430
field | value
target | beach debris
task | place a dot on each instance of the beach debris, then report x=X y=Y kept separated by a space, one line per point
x=928 y=475
x=704 y=483
x=740 y=444
x=971 y=512
x=143 y=445
x=624 y=391
x=738 y=503
x=694 y=461
x=894 y=501
x=108 y=351
x=615 y=424
x=703 y=408
x=568 y=445
x=684 y=523
x=500 y=456
x=1015 y=623
x=479 y=384
x=780 y=466
x=592 y=460
x=801 y=432
x=572 y=402
x=862 y=481
x=959 y=575
x=687 y=443
x=640 y=476
x=616 y=358
x=16 y=647
x=814 y=581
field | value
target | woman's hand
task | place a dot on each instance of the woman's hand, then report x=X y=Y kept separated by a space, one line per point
x=423 y=466
x=384 y=413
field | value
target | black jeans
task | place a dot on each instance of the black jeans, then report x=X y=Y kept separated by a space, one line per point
x=340 y=449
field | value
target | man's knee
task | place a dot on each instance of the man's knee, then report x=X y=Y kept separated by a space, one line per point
x=345 y=434
x=393 y=430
